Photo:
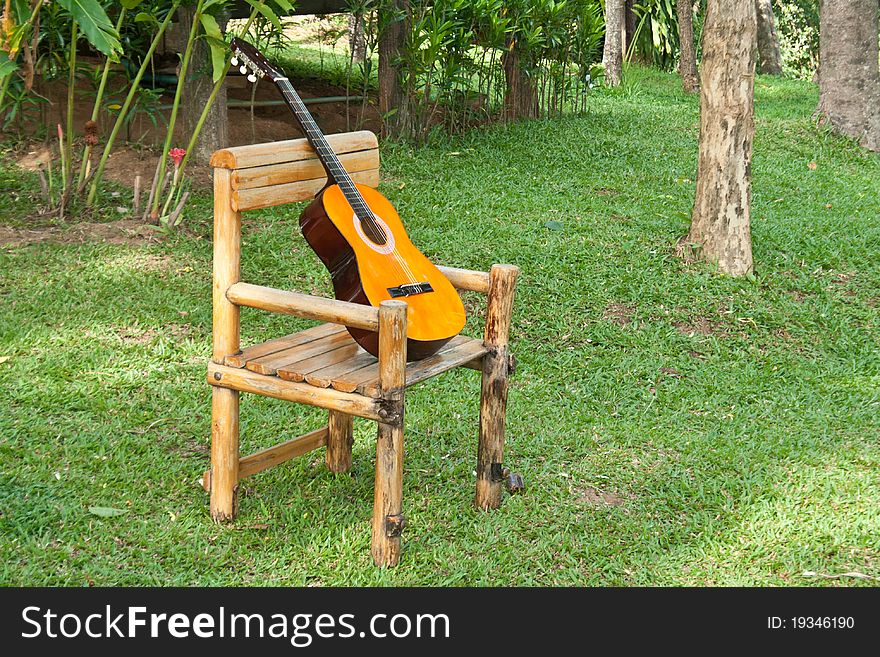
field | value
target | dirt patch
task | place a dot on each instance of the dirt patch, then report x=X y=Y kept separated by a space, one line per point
x=596 y=497
x=783 y=334
x=671 y=372
x=246 y=126
x=35 y=159
x=128 y=231
x=191 y=449
x=136 y=335
x=698 y=325
x=619 y=313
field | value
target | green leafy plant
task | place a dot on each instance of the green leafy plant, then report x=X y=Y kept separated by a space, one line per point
x=160 y=28
x=91 y=133
x=656 y=36
x=797 y=24
x=221 y=66
x=470 y=62
x=17 y=29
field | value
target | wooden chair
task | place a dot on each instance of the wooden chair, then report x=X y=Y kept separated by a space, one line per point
x=322 y=366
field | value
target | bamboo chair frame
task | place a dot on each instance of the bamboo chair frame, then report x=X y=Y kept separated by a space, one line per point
x=265 y=175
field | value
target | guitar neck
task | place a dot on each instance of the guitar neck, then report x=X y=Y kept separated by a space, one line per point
x=335 y=170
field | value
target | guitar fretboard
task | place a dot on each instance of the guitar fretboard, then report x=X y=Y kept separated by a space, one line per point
x=328 y=158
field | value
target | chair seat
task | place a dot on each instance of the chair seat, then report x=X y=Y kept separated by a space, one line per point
x=326 y=356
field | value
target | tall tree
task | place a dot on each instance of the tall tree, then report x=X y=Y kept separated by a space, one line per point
x=520 y=94
x=393 y=19
x=688 y=61
x=357 y=40
x=199 y=85
x=769 y=58
x=629 y=26
x=849 y=82
x=720 y=231
x=612 y=54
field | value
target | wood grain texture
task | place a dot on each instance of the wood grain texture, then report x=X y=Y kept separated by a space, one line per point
x=290 y=172
x=279 y=344
x=272 y=456
x=339 y=442
x=388 y=494
x=294 y=192
x=226 y=341
x=336 y=375
x=291 y=150
x=304 y=305
x=269 y=364
x=303 y=393
x=224 y=454
x=458 y=352
x=227 y=268
x=365 y=380
x=298 y=371
x=466 y=279
x=493 y=394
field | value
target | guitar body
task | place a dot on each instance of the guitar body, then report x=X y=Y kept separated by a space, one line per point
x=364 y=271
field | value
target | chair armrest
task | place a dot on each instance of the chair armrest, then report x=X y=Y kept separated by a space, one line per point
x=467 y=279
x=306 y=306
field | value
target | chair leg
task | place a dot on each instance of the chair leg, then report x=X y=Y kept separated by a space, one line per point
x=493 y=410
x=340 y=438
x=224 y=454
x=388 y=520
x=493 y=397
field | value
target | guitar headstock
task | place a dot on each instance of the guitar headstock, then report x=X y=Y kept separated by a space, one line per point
x=252 y=60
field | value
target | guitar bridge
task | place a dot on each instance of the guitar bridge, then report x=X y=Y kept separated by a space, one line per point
x=409 y=289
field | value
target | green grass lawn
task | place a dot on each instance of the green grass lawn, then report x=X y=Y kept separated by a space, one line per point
x=673 y=426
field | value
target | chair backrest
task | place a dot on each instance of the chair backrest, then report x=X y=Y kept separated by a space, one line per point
x=274 y=173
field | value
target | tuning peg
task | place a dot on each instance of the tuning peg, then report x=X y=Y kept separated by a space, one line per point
x=234 y=61
x=243 y=69
x=252 y=78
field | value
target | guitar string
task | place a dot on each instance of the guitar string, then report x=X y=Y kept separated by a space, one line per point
x=341 y=176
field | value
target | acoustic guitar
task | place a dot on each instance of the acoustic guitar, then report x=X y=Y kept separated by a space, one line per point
x=359 y=237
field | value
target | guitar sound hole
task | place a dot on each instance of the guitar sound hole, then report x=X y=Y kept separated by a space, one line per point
x=373 y=231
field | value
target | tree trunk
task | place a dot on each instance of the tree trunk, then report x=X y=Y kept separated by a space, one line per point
x=199 y=84
x=520 y=96
x=849 y=83
x=769 y=59
x=720 y=221
x=688 y=63
x=393 y=23
x=629 y=26
x=357 y=41
x=612 y=54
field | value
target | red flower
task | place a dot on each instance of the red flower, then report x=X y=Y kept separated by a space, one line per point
x=177 y=155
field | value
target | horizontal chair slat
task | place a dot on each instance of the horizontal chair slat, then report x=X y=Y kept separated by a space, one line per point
x=291 y=150
x=272 y=456
x=303 y=393
x=275 y=455
x=289 y=172
x=304 y=305
x=294 y=192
